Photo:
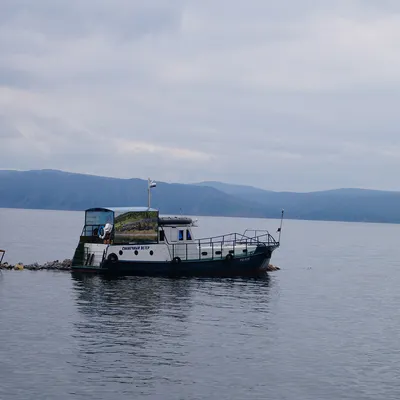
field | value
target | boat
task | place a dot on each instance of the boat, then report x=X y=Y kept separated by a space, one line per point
x=138 y=241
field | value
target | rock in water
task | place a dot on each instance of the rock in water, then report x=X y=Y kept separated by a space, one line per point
x=272 y=267
x=19 y=267
x=48 y=266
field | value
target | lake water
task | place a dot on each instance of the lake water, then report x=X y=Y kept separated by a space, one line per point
x=326 y=326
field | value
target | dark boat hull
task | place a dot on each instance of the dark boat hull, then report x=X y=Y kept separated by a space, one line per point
x=252 y=265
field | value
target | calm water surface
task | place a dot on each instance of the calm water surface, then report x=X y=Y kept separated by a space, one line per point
x=326 y=326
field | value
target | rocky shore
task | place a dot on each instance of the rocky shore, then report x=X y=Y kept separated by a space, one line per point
x=66 y=266
x=49 y=266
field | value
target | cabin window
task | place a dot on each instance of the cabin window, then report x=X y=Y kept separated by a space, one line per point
x=162 y=236
x=173 y=234
x=188 y=235
x=96 y=219
x=180 y=235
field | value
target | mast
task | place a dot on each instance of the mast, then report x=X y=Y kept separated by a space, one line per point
x=150 y=184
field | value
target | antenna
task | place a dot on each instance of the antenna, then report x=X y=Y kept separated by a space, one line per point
x=280 y=228
x=150 y=184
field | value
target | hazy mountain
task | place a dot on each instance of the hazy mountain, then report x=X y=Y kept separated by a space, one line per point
x=234 y=189
x=337 y=205
x=49 y=189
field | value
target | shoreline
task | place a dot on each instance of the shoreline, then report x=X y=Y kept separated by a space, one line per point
x=48 y=266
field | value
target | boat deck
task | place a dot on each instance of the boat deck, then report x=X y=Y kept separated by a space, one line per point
x=205 y=249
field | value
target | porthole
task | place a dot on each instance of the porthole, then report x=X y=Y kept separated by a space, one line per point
x=204 y=253
x=151 y=252
x=136 y=252
x=218 y=252
x=121 y=252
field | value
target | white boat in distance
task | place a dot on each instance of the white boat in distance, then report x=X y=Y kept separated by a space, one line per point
x=138 y=241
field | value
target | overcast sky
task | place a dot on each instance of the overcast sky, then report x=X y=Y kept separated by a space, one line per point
x=292 y=95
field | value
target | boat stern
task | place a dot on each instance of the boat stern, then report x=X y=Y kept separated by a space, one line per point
x=89 y=255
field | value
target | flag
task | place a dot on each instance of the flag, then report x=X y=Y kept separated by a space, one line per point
x=152 y=184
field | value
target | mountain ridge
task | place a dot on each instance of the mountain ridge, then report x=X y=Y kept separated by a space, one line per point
x=60 y=190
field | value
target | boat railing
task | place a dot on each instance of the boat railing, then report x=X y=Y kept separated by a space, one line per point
x=91 y=230
x=222 y=246
x=255 y=232
x=261 y=235
x=258 y=237
x=90 y=234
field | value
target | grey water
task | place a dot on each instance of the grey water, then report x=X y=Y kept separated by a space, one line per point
x=326 y=326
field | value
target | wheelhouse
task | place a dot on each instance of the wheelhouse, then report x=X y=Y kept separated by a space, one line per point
x=120 y=225
x=134 y=225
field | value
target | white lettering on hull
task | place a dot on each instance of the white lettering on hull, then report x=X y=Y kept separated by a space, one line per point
x=136 y=248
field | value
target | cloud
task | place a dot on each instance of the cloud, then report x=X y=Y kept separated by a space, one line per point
x=135 y=147
x=291 y=95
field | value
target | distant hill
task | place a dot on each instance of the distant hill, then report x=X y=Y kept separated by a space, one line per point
x=50 y=189
x=352 y=204
x=241 y=190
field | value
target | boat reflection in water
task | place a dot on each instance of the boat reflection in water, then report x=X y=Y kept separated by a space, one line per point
x=146 y=330
x=130 y=297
